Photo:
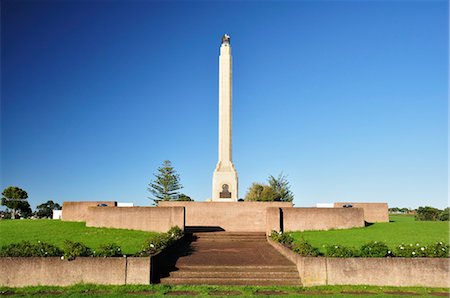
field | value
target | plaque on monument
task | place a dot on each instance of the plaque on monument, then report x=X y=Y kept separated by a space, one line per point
x=225 y=194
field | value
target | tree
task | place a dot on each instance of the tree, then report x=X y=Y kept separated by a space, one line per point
x=185 y=198
x=427 y=213
x=444 y=216
x=260 y=192
x=45 y=210
x=15 y=199
x=277 y=189
x=166 y=184
x=281 y=188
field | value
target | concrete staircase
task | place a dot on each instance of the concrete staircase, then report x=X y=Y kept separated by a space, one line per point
x=226 y=258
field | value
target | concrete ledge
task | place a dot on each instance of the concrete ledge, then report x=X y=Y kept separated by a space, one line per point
x=20 y=272
x=157 y=219
x=78 y=211
x=229 y=216
x=373 y=212
x=400 y=272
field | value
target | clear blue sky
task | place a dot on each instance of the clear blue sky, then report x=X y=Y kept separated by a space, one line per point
x=349 y=99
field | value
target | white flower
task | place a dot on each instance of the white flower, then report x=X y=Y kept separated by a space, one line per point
x=335 y=246
x=375 y=242
x=440 y=242
x=151 y=245
x=389 y=251
x=417 y=244
x=443 y=249
x=280 y=232
x=401 y=247
x=62 y=257
x=413 y=252
x=410 y=244
x=422 y=248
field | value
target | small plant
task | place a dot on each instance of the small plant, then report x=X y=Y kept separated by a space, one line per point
x=109 y=250
x=305 y=249
x=76 y=249
x=375 y=249
x=339 y=251
x=175 y=232
x=411 y=250
x=161 y=241
x=283 y=238
x=28 y=249
x=438 y=250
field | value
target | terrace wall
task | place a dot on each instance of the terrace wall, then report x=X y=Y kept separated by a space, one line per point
x=78 y=211
x=400 y=272
x=309 y=219
x=157 y=219
x=373 y=212
x=234 y=217
x=21 y=272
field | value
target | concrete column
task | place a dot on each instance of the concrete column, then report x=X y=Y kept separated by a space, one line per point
x=225 y=180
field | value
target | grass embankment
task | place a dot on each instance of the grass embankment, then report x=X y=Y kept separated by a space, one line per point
x=214 y=291
x=56 y=232
x=401 y=229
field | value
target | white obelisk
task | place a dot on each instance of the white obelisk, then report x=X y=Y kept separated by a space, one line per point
x=225 y=180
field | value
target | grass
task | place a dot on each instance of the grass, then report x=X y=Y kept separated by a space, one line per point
x=206 y=291
x=56 y=232
x=400 y=229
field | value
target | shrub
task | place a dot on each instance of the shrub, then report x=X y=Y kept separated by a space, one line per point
x=338 y=251
x=305 y=249
x=427 y=213
x=76 y=249
x=28 y=249
x=375 y=250
x=444 y=216
x=175 y=232
x=283 y=238
x=160 y=242
x=411 y=250
x=109 y=250
x=438 y=250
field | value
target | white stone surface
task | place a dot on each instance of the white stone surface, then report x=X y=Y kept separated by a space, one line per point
x=225 y=173
x=57 y=214
x=125 y=204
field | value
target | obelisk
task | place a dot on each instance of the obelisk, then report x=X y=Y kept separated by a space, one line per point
x=225 y=180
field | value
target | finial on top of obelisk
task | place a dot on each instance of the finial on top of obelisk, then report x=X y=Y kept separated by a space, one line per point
x=226 y=39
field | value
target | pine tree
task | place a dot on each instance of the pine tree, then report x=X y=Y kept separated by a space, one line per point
x=166 y=184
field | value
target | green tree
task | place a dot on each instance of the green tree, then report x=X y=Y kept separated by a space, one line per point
x=444 y=216
x=281 y=188
x=15 y=199
x=260 y=192
x=45 y=210
x=183 y=197
x=428 y=213
x=166 y=184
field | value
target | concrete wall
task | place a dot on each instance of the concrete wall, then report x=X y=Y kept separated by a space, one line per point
x=236 y=216
x=373 y=212
x=78 y=211
x=304 y=219
x=20 y=272
x=400 y=272
x=157 y=219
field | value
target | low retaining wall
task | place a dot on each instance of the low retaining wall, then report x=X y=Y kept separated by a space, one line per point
x=400 y=272
x=157 y=219
x=309 y=219
x=373 y=212
x=78 y=211
x=234 y=217
x=20 y=272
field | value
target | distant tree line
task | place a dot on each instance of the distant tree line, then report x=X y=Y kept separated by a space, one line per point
x=426 y=213
x=15 y=200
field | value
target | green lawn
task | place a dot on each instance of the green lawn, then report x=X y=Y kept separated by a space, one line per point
x=400 y=229
x=211 y=291
x=56 y=232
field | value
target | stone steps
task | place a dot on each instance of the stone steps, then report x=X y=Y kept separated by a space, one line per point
x=231 y=281
x=231 y=258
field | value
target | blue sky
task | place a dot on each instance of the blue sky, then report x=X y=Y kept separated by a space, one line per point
x=349 y=99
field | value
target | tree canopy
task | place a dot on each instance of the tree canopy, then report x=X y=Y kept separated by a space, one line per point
x=276 y=189
x=15 y=199
x=166 y=183
x=45 y=210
